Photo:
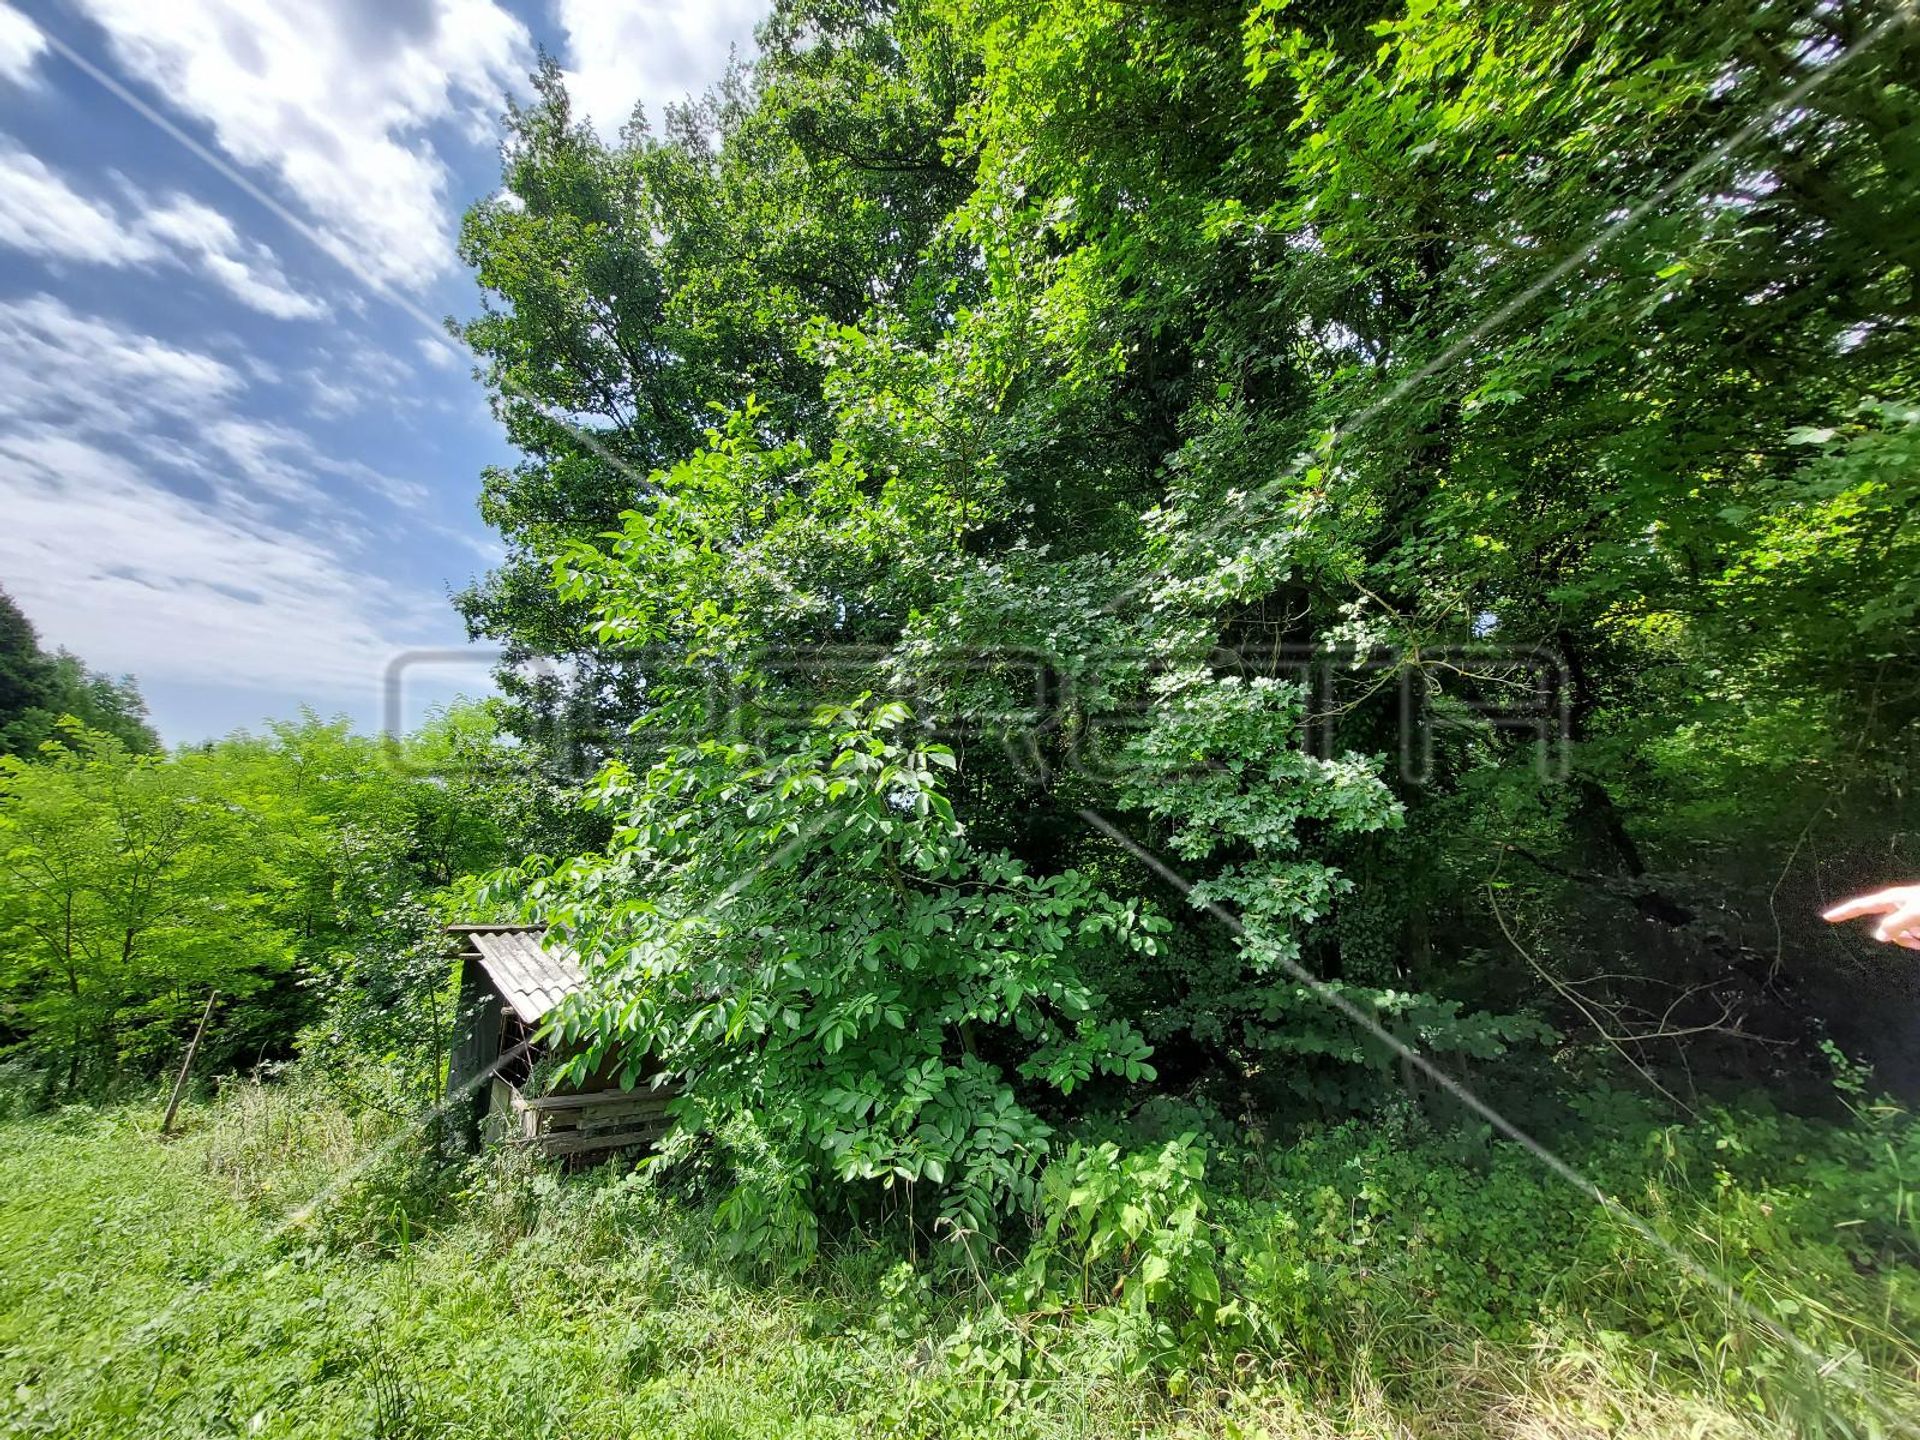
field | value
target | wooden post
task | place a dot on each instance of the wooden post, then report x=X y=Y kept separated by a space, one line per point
x=186 y=1063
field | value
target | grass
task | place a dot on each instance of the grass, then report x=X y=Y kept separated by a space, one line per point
x=189 y=1288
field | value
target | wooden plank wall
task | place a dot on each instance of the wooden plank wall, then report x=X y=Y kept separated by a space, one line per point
x=601 y=1120
x=476 y=1049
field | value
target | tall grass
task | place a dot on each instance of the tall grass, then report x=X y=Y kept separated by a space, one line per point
x=1408 y=1286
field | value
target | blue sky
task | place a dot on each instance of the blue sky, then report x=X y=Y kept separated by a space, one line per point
x=237 y=458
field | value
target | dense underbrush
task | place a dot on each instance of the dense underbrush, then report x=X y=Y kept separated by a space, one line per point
x=287 y=1268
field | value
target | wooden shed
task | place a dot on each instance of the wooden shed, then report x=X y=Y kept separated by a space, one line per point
x=511 y=980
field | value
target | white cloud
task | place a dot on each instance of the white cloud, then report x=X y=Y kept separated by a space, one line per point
x=652 y=52
x=173 y=410
x=279 y=461
x=245 y=269
x=335 y=100
x=58 y=365
x=42 y=214
x=136 y=577
x=20 y=45
x=154 y=528
x=355 y=377
x=446 y=353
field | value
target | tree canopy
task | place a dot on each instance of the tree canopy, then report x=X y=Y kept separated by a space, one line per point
x=37 y=689
x=1401 y=491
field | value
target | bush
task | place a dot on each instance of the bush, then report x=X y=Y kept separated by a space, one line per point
x=860 y=1005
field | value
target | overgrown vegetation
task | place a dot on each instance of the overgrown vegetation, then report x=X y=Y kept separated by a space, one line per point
x=1184 y=625
x=287 y=1270
x=300 y=875
x=1331 y=477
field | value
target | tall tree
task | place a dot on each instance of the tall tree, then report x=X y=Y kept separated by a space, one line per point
x=37 y=689
x=1260 y=368
x=633 y=291
x=27 y=683
x=128 y=889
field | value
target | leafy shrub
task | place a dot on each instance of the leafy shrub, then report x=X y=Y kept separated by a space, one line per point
x=1220 y=764
x=856 y=1001
x=1131 y=1228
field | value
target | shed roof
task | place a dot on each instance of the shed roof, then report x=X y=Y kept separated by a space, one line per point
x=531 y=976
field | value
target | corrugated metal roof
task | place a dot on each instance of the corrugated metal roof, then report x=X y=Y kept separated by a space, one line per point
x=531 y=977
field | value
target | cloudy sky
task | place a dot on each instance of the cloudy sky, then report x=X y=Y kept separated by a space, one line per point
x=238 y=458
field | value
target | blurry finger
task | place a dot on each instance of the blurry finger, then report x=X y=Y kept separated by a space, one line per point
x=1898 y=926
x=1878 y=903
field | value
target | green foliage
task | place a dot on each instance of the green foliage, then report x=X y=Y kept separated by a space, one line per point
x=1400 y=1227
x=287 y=1268
x=631 y=288
x=856 y=1000
x=1064 y=381
x=1220 y=762
x=297 y=873
x=1130 y=1227
x=37 y=690
x=437 y=807
x=1134 y=358
x=129 y=887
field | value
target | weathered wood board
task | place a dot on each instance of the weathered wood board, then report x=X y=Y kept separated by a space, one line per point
x=599 y=1120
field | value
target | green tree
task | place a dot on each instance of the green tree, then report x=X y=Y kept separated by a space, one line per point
x=629 y=290
x=26 y=680
x=438 y=807
x=129 y=887
x=37 y=689
x=856 y=999
x=1421 y=341
x=303 y=872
